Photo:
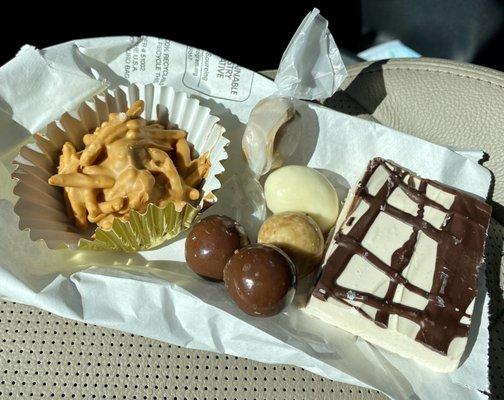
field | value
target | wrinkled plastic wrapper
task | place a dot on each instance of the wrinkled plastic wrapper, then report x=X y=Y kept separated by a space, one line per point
x=311 y=68
x=153 y=293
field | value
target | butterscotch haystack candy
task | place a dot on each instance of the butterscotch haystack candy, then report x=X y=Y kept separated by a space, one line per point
x=126 y=172
x=126 y=164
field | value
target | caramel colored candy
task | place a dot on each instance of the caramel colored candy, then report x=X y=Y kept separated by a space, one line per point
x=260 y=279
x=126 y=164
x=303 y=189
x=298 y=235
x=211 y=243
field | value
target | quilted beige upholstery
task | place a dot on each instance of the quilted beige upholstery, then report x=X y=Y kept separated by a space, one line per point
x=446 y=102
x=42 y=355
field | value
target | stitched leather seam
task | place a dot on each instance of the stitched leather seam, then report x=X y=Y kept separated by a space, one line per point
x=426 y=70
x=435 y=63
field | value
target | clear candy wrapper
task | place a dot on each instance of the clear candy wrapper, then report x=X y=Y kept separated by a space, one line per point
x=311 y=68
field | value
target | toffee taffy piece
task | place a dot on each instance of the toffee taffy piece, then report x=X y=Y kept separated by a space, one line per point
x=260 y=279
x=298 y=235
x=211 y=243
x=402 y=266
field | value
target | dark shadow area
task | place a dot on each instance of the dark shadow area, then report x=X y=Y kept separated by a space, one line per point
x=496 y=354
x=490 y=53
x=366 y=90
x=493 y=254
x=255 y=36
x=497 y=209
x=342 y=102
x=476 y=318
x=490 y=283
x=468 y=31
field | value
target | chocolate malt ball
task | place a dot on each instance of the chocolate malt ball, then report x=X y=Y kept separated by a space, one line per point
x=211 y=243
x=260 y=279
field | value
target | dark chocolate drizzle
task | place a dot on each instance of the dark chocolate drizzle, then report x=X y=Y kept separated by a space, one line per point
x=461 y=242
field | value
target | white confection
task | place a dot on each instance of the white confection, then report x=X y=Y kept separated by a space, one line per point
x=420 y=270
x=457 y=347
x=439 y=196
x=376 y=181
x=408 y=298
x=434 y=216
x=469 y=311
x=470 y=307
x=363 y=276
x=302 y=189
x=370 y=311
x=385 y=236
x=400 y=200
x=404 y=326
x=345 y=317
x=416 y=181
x=361 y=208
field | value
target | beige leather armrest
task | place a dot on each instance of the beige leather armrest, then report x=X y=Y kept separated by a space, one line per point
x=446 y=102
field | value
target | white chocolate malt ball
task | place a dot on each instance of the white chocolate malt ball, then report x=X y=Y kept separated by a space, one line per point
x=298 y=235
x=302 y=189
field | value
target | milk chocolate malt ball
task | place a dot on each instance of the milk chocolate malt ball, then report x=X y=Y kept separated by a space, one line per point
x=298 y=235
x=211 y=243
x=260 y=279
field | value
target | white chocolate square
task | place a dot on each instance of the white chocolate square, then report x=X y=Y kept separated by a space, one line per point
x=439 y=196
x=420 y=270
x=385 y=236
x=399 y=199
x=376 y=182
x=363 y=276
x=361 y=208
x=434 y=216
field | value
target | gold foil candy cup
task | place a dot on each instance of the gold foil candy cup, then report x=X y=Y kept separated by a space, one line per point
x=41 y=207
x=144 y=230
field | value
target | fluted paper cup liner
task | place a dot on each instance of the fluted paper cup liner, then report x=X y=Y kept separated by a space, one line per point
x=41 y=207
